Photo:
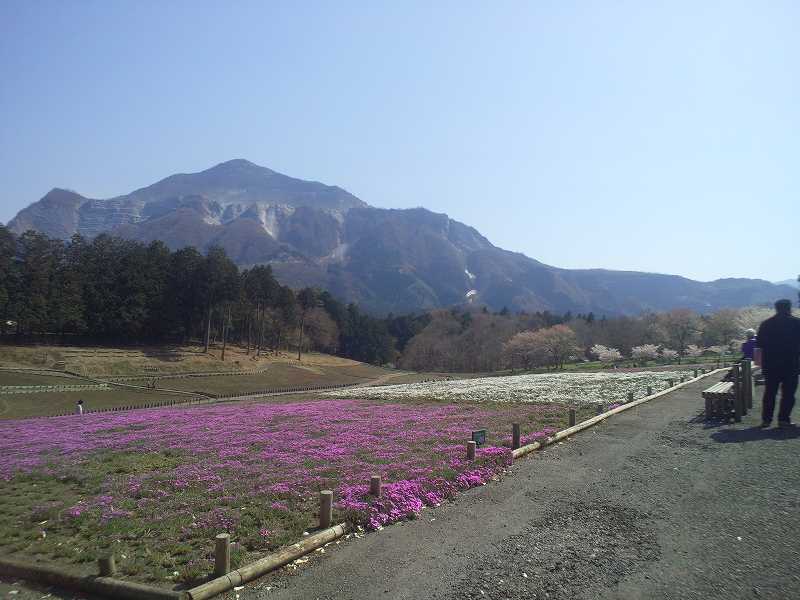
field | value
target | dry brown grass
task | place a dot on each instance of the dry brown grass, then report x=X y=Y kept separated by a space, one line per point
x=93 y=361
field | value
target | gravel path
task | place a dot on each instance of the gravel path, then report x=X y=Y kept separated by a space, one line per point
x=651 y=504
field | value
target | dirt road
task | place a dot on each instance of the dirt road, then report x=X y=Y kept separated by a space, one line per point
x=652 y=504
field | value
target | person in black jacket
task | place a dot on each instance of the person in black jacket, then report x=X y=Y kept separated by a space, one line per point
x=779 y=340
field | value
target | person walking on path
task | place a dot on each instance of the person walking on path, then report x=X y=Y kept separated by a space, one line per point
x=79 y=408
x=779 y=340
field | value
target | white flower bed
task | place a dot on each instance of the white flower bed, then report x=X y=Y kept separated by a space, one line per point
x=572 y=388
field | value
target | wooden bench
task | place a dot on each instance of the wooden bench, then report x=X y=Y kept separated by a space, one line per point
x=720 y=399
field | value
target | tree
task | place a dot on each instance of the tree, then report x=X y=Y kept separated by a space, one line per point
x=8 y=249
x=753 y=316
x=669 y=355
x=682 y=327
x=307 y=299
x=605 y=354
x=260 y=290
x=519 y=351
x=38 y=259
x=645 y=352
x=722 y=327
x=219 y=283
x=322 y=331
x=185 y=309
x=68 y=310
x=365 y=338
x=693 y=351
x=554 y=345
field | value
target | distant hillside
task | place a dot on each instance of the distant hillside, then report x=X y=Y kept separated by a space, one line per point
x=386 y=260
x=790 y=282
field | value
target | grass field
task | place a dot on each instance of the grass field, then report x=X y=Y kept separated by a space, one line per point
x=20 y=406
x=17 y=378
x=281 y=371
x=156 y=485
x=278 y=375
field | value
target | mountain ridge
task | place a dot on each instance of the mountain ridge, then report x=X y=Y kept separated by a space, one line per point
x=387 y=260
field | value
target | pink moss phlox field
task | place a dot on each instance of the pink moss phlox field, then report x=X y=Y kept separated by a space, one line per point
x=274 y=454
x=405 y=499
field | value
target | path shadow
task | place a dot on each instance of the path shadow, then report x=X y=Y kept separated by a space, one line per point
x=755 y=434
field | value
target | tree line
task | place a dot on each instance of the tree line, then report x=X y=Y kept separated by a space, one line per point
x=478 y=340
x=121 y=291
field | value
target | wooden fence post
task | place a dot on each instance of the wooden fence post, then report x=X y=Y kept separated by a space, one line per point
x=325 y=509
x=600 y=408
x=107 y=566
x=471 y=450
x=571 y=417
x=738 y=404
x=375 y=486
x=222 y=555
x=515 y=436
x=747 y=382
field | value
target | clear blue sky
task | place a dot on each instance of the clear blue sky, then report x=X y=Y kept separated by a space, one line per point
x=657 y=136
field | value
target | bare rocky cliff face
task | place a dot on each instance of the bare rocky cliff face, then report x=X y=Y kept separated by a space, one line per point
x=385 y=260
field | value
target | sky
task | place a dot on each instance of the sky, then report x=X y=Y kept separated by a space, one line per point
x=652 y=136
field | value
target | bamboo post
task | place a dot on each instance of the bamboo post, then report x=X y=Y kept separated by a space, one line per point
x=515 y=436
x=107 y=566
x=375 y=486
x=572 y=417
x=222 y=555
x=471 y=450
x=325 y=509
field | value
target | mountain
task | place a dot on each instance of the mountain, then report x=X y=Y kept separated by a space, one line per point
x=790 y=282
x=386 y=260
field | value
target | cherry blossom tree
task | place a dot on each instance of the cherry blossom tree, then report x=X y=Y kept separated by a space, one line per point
x=669 y=354
x=693 y=350
x=605 y=354
x=645 y=352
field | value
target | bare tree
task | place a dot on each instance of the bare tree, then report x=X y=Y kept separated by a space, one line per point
x=682 y=327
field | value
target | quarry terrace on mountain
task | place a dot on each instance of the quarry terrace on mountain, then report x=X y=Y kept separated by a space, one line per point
x=385 y=260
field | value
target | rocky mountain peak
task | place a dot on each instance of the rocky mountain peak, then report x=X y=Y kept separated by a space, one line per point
x=384 y=259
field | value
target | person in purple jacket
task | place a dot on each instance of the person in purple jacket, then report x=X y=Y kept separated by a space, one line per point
x=748 y=348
